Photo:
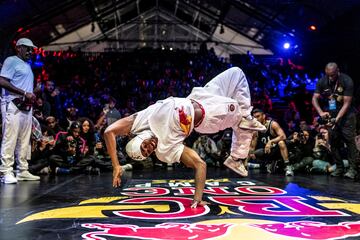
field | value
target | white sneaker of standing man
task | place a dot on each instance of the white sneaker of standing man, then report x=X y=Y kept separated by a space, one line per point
x=289 y=170
x=9 y=178
x=26 y=176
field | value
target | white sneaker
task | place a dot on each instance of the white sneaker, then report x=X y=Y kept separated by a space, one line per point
x=127 y=167
x=236 y=166
x=289 y=171
x=331 y=168
x=9 y=178
x=253 y=165
x=26 y=176
x=252 y=124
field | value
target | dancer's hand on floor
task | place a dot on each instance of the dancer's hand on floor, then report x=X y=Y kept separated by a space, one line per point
x=195 y=203
x=117 y=172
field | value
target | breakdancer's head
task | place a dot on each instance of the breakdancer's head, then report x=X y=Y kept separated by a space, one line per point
x=142 y=145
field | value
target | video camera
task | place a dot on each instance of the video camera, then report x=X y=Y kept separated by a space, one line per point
x=326 y=121
x=72 y=143
x=302 y=137
x=227 y=135
x=320 y=136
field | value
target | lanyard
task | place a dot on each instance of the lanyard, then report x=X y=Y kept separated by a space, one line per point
x=334 y=89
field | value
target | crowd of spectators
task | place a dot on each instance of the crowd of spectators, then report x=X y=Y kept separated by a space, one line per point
x=79 y=94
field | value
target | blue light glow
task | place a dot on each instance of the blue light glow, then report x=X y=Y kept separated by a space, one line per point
x=286 y=45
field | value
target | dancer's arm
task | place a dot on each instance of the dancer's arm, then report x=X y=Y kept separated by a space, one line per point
x=192 y=160
x=119 y=128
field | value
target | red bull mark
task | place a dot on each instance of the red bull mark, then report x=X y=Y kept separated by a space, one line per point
x=163 y=231
x=313 y=230
x=185 y=121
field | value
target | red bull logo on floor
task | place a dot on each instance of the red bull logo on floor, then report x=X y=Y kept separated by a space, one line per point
x=184 y=231
x=313 y=230
x=163 y=231
x=237 y=209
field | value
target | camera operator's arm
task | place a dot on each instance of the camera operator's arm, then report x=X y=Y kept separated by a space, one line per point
x=253 y=145
x=280 y=136
x=315 y=102
x=344 y=108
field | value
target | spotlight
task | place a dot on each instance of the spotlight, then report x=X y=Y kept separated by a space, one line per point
x=312 y=28
x=286 y=45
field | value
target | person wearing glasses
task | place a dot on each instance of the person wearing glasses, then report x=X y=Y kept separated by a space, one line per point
x=17 y=81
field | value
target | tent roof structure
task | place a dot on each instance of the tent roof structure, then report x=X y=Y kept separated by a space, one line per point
x=229 y=26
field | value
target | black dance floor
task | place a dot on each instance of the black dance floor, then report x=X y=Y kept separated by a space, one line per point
x=155 y=204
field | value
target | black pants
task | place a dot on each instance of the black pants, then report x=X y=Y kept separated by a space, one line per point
x=345 y=132
x=36 y=165
x=274 y=154
x=104 y=163
x=78 y=166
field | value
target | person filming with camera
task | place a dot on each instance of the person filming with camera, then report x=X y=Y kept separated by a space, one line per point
x=335 y=90
x=69 y=153
x=300 y=146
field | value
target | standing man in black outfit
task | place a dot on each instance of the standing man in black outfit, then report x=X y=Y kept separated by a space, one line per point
x=336 y=92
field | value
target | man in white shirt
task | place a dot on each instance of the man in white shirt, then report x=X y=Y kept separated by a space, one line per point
x=162 y=127
x=17 y=81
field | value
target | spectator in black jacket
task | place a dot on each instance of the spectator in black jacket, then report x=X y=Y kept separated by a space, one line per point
x=69 y=152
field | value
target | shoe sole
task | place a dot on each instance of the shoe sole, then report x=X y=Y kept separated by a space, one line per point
x=230 y=167
x=253 y=129
x=337 y=175
x=27 y=179
x=8 y=182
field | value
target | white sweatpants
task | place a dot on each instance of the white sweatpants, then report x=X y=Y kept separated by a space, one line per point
x=16 y=130
x=232 y=83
